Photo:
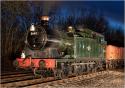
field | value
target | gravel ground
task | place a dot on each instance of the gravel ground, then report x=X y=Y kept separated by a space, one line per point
x=111 y=80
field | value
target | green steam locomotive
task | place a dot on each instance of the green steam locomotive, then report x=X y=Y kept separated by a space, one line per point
x=61 y=54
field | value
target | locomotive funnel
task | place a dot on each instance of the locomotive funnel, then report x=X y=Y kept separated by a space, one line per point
x=44 y=21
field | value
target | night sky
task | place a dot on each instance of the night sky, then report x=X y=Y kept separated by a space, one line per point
x=112 y=10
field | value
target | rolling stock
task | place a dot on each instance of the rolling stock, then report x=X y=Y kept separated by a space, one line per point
x=60 y=54
x=114 y=56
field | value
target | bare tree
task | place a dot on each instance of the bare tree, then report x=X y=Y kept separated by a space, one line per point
x=11 y=34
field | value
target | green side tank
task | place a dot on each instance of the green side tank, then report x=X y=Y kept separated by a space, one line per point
x=84 y=43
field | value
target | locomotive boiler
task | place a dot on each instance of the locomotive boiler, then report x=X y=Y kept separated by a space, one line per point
x=60 y=54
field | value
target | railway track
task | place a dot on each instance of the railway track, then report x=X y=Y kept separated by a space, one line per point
x=14 y=73
x=70 y=81
x=23 y=81
x=83 y=80
x=15 y=76
x=30 y=82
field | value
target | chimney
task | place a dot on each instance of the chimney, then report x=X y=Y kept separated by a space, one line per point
x=44 y=20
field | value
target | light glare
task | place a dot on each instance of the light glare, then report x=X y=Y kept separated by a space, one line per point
x=32 y=28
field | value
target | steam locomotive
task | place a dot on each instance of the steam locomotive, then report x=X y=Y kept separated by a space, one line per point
x=62 y=53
